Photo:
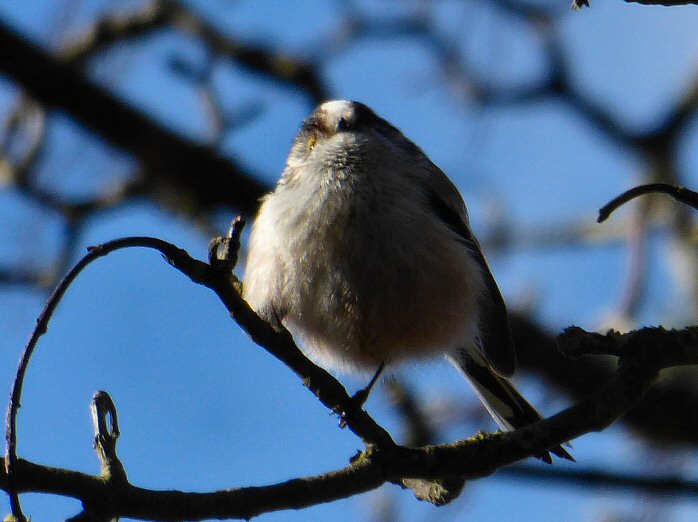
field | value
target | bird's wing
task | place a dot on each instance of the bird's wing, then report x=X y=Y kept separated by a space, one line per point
x=494 y=330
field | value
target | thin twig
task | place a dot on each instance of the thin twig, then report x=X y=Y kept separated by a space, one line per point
x=680 y=194
x=223 y=251
x=665 y=3
x=642 y=355
x=647 y=352
x=634 y=286
x=106 y=428
x=280 y=344
x=42 y=327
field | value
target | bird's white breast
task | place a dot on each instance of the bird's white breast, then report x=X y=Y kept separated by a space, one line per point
x=362 y=272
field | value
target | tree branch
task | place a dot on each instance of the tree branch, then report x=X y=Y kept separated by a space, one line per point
x=578 y=4
x=666 y=3
x=680 y=194
x=200 y=175
x=275 y=66
x=642 y=354
x=667 y=413
x=668 y=486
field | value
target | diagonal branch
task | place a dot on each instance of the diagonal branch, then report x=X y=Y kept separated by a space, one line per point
x=642 y=355
x=271 y=64
x=200 y=174
x=279 y=343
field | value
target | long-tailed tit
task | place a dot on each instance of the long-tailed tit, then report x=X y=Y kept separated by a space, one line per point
x=364 y=251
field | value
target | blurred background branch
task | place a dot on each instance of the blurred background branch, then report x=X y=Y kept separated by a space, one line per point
x=107 y=109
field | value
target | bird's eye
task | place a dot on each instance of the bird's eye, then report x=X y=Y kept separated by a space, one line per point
x=311 y=143
x=343 y=124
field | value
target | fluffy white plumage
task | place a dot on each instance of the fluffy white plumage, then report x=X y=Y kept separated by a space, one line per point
x=349 y=253
x=364 y=251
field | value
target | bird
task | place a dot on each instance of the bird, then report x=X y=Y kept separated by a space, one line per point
x=364 y=251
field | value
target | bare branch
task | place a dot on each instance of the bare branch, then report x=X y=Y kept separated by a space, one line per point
x=670 y=486
x=169 y=13
x=667 y=414
x=578 y=4
x=217 y=181
x=680 y=194
x=642 y=354
x=200 y=174
x=113 y=29
x=42 y=327
x=666 y=3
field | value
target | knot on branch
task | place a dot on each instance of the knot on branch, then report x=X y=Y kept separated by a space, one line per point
x=106 y=426
x=438 y=492
x=223 y=251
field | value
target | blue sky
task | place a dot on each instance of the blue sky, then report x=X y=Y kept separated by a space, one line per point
x=201 y=408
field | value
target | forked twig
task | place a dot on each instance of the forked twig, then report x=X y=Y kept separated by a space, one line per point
x=170 y=251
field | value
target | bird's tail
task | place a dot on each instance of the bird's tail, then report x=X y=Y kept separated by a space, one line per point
x=506 y=405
